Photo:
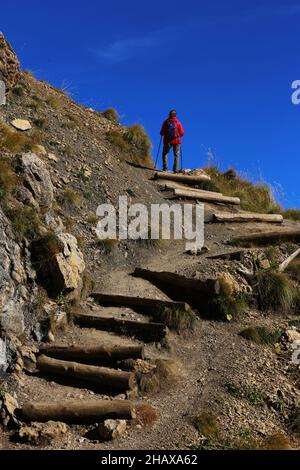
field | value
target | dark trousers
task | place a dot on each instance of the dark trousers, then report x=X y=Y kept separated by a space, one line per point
x=176 y=151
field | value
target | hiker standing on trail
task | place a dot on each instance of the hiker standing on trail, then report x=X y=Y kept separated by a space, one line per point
x=172 y=131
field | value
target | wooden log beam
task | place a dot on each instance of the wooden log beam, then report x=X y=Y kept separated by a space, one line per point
x=104 y=376
x=105 y=353
x=247 y=217
x=148 y=332
x=199 y=294
x=288 y=261
x=147 y=305
x=187 y=179
x=206 y=196
x=237 y=255
x=208 y=286
x=165 y=184
x=267 y=238
x=78 y=412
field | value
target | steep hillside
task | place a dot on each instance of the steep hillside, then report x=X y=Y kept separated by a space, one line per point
x=197 y=353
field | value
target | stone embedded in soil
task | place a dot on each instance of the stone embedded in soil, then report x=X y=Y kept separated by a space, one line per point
x=21 y=124
x=42 y=433
x=111 y=429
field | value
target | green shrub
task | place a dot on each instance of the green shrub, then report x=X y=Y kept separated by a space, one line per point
x=178 y=320
x=274 y=291
x=25 y=222
x=226 y=307
x=261 y=335
x=112 y=115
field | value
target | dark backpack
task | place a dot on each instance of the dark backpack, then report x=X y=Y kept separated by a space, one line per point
x=171 y=132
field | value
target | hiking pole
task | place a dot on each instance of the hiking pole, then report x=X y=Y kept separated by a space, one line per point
x=158 y=151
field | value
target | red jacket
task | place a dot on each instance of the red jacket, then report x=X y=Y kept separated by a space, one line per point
x=180 y=131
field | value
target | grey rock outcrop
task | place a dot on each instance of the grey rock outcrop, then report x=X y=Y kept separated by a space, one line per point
x=9 y=64
x=36 y=180
x=12 y=280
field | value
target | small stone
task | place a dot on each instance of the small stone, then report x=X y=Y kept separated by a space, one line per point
x=21 y=124
x=52 y=157
x=111 y=429
x=42 y=433
x=292 y=335
x=265 y=264
x=50 y=337
x=40 y=150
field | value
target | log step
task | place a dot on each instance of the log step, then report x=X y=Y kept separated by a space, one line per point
x=78 y=412
x=187 y=179
x=206 y=196
x=148 y=332
x=265 y=238
x=198 y=293
x=102 y=353
x=165 y=184
x=109 y=378
x=148 y=305
x=247 y=217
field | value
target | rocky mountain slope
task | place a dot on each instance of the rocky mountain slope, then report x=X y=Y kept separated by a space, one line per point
x=220 y=375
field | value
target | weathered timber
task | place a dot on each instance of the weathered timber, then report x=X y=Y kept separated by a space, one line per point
x=187 y=179
x=147 y=305
x=78 y=411
x=267 y=238
x=105 y=353
x=247 y=217
x=206 y=196
x=165 y=184
x=237 y=255
x=198 y=293
x=109 y=378
x=288 y=261
x=148 y=332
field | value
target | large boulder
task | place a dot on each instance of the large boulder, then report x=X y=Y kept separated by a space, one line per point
x=36 y=180
x=59 y=263
x=9 y=64
x=13 y=294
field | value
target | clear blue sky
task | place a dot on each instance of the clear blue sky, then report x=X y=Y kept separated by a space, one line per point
x=226 y=66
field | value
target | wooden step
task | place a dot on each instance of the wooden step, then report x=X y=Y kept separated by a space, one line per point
x=265 y=238
x=148 y=305
x=199 y=293
x=206 y=196
x=106 y=353
x=102 y=376
x=165 y=184
x=78 y=412
x=187 y=179
x=148 y=332
x=247 y=217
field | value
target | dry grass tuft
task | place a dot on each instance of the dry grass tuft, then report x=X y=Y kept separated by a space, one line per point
x=254 y=197
x=112 y=115
x=163 y=376
x=274 y=291
x=146 y=415
x=8 y=178
x=179 y=320
x=14 y=141
x=207 y=424
x=69 y=199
